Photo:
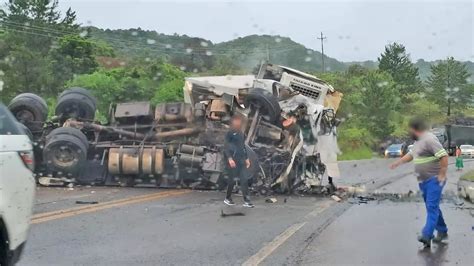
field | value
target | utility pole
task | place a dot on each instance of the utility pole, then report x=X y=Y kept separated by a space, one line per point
x=322 y=38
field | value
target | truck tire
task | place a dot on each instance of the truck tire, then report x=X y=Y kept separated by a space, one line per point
x=75 y=105
x=82 y=91
x=266 y=102
x=69 y=131
x=65 y=155
x=30 y=109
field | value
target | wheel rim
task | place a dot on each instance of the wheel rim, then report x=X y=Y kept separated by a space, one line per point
x=64 y=156
x=25 y=116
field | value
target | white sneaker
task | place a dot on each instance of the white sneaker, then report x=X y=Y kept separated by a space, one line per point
x=248 y=205
x=229 y=202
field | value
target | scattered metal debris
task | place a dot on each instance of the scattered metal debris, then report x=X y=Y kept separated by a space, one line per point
x=336 y=198
x=270 y=200
x=86 y=202
x=223 y=215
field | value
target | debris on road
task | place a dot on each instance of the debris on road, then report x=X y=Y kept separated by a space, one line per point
x=270 y=200
x=336 y=198
x=223 y=215
x=466 y=186
x=86 y=202
x=52 y=181
x=353 y=190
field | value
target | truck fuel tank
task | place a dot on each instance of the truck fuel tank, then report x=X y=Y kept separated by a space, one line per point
x=136 y=161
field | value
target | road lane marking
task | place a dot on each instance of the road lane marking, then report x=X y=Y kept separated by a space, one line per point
x=54 y=215
x=273 y=245
x=270 y=247
x=317 y=211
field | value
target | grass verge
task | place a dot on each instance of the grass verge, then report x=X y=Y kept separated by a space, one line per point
x=469 y=176
x=356 y=154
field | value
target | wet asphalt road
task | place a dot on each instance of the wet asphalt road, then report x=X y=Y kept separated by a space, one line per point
x=187 y=228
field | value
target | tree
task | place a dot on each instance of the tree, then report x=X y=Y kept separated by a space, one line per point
x=395 y=61
x=41 y=47
x=74 y=55
x=155 y=81
x=225 y=66
x=377 y=100
x=448 y=83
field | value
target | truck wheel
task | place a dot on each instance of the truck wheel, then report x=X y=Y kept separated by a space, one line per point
x=75 y=105
x=81 y=91
x=266 y=102
x=69 y=131
x=30 y=109
x=65 y=154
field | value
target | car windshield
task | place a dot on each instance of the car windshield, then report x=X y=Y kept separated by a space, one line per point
x=237 y=132
x=8 y=124
x=394 y=147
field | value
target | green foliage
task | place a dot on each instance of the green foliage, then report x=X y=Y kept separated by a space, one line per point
x=201 y=55
x=396 y=61
x=169 y=91
x=355 y=139
x=225 y=66
x=469 y=176
x=356 y=154
x=157 y=81
x=448 y=85
x=74 y=55
x=379 y=99
x=41 y=48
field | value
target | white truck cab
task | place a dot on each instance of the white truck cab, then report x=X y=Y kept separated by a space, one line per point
x=17 y=187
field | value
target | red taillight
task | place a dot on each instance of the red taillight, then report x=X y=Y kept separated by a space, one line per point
x=28 y=159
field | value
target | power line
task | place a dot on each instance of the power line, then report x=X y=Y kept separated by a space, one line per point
x=139 y=46
x=130 y=42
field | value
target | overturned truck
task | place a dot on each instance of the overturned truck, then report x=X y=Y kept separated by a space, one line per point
x=180 y=144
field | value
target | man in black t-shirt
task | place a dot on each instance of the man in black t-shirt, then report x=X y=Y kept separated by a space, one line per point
x=236 y=161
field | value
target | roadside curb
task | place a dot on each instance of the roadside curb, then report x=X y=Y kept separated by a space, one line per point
x=466 y=190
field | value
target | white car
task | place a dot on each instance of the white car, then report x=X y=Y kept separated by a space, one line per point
x=17 y=187
x=467 y=150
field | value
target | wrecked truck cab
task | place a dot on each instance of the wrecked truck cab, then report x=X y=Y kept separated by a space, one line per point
x=267 y=99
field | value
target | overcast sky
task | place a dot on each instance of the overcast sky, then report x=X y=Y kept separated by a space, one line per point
x=356 y=29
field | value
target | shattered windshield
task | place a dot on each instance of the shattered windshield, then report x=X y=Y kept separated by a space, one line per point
x=236 y=132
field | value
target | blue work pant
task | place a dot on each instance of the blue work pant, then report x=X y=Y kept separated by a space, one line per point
x=431 y=190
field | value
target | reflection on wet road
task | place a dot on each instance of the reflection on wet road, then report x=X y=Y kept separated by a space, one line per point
x=188 y=228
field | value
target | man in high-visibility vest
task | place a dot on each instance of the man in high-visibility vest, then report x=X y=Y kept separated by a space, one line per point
x=431 y=164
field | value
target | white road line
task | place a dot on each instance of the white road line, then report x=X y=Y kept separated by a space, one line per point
x=319 y=210
x=274 y=244
x=268 y=249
